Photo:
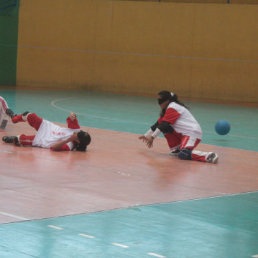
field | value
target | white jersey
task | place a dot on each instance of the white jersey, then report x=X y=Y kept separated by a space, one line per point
x=50 y=133
x=182 y=120
x=3 y=107
x=3 y=117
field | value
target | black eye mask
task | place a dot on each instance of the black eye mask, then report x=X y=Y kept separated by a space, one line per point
x=162 y=100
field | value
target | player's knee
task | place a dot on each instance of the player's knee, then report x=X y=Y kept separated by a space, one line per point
x=185 y=154
x=25 y=116
x=30 y=117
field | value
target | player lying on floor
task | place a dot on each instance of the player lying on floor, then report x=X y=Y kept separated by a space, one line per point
x=3 y=107
x=50 y=135
x=181 y=130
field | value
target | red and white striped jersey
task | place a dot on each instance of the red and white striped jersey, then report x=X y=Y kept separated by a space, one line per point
x=182 y=120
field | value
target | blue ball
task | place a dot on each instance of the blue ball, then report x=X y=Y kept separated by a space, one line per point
x=222 y=127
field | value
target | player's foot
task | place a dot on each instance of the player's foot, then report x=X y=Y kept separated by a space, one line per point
x=10 y=113
x=11 y=139
x=3 y=124
x=19 y=118
x=212 y=157
x=174 y=152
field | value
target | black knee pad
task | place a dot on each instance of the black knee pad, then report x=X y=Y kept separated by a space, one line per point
x=185 y=154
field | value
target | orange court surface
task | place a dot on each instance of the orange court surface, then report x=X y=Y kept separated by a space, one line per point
x=116 y=172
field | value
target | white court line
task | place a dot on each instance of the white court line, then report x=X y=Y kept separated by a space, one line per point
x=53 y=104
x=5 y=151
x=55 y=227
x=120 y=245
x=157 y=255
x=84 y=235
x=12 y=215
x=214 y=197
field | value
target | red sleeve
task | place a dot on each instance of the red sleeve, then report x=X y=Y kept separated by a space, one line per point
x=171 y=116
x=160 y=120
x=72 y=124
x=65 y=147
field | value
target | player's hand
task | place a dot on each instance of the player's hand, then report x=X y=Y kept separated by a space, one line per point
x=74 y=138
x=149 y=141
x=72 y=116
x=143 y=138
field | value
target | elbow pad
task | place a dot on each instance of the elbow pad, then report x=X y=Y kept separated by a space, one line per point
x=154 y=127
x=165 y=127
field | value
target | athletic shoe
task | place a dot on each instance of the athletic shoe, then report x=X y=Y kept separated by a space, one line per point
x=10 y=113
x=10 y=139
x=174 y=152
x=3 y=124
x=212 y=158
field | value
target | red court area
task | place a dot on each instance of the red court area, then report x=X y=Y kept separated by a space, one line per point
x=117 y=171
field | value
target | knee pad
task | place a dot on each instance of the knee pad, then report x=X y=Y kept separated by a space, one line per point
x=25 y=116
x=185 y=154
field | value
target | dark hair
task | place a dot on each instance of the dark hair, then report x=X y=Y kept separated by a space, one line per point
x=84 y=139
x=172 y=97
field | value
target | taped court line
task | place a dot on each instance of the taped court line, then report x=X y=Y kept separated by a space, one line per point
x=191 y=200
x=87 y=236
x=120 y=245
x=129 y=54
x=156 y=255
x=114 y=243
x=55 y=227
x=4 y=151
x=12 y=215
x=223 y=195
x=53 y=104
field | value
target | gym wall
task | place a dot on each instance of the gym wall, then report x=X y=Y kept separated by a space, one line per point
x=199 y=51
x=9 y=10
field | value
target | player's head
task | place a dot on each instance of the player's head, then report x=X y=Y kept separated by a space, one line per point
x=84 y=140
x=165 y=97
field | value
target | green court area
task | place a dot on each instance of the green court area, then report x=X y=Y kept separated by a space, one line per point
x=218 y=227
x=135 y=114
x=214 y=227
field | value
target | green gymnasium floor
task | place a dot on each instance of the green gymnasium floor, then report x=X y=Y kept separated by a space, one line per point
x=216 y=227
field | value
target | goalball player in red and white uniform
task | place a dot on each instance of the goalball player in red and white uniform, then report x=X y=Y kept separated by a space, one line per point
x=50 y=135
x=3 y=107
x=181 y=130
